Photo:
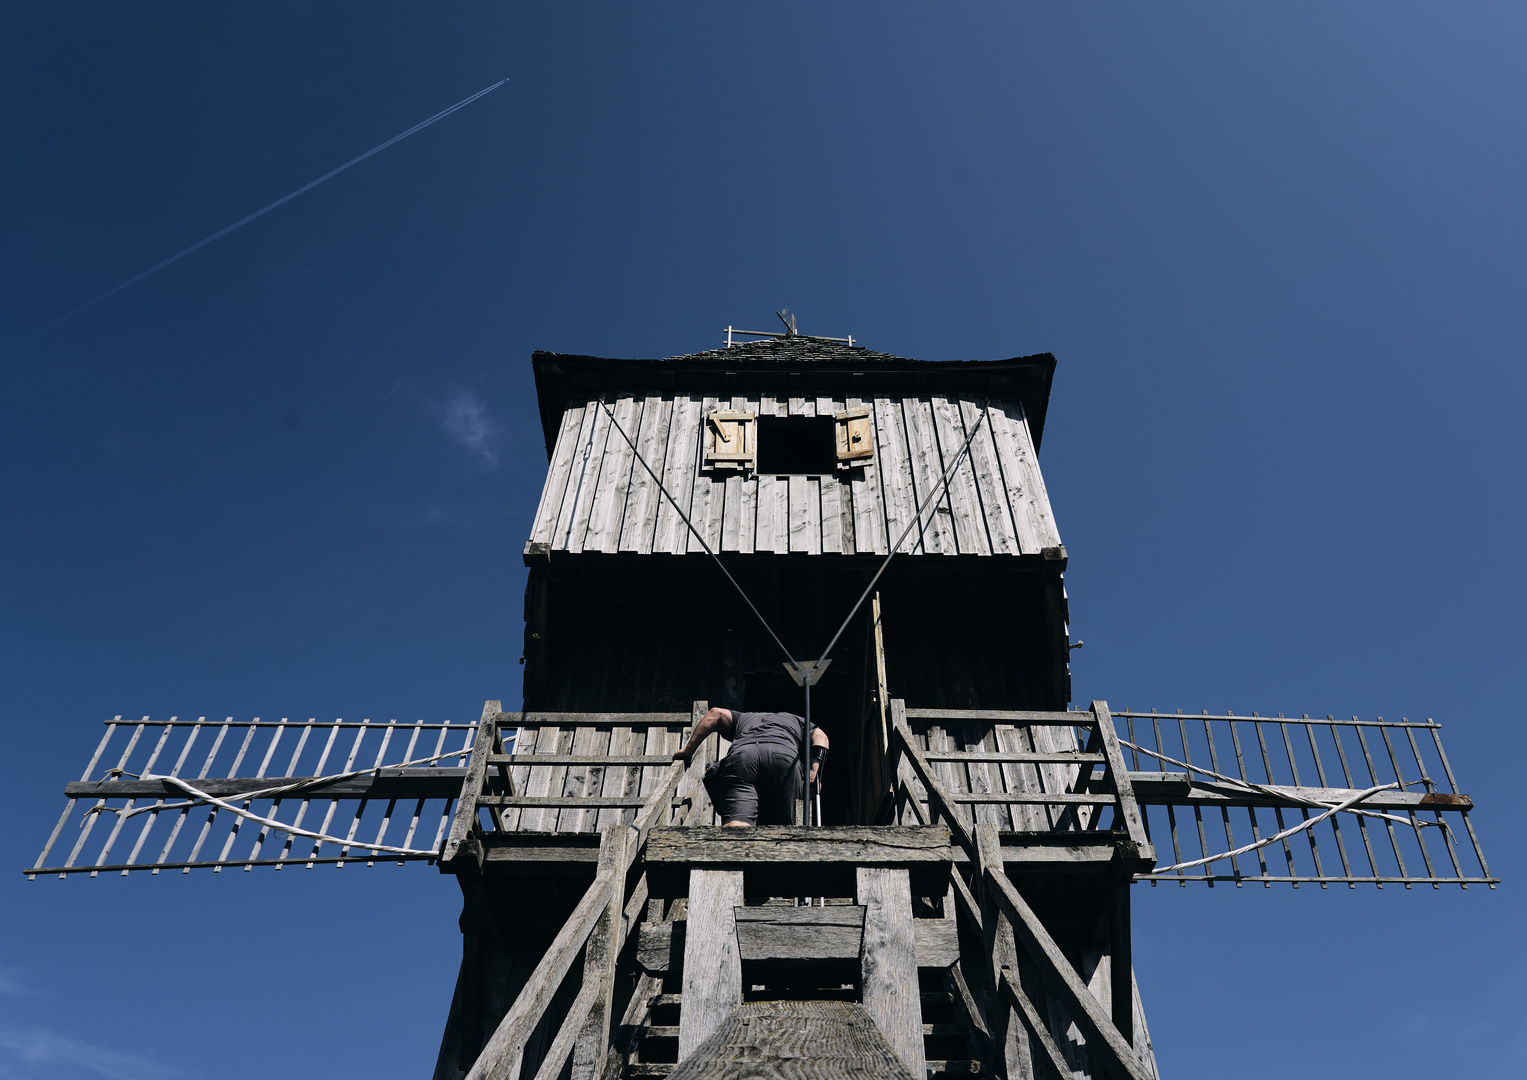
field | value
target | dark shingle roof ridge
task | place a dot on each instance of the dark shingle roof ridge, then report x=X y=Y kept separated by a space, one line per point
x=799 y=347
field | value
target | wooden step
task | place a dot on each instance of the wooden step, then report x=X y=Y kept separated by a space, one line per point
x=655 y=1069
x=661 y=1031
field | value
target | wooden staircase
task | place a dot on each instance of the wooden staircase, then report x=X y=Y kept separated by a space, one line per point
x=672 y=953
x=648 y=1041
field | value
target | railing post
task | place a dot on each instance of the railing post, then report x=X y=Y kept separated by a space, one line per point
x=1120 y=950
x=462 y=843
x=1106 y=1046
x=604 y=945
x=1128 y=808
x=1009 y=1034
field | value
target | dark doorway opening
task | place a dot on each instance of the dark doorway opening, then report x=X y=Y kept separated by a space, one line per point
x=834 y=710
x=796 y=444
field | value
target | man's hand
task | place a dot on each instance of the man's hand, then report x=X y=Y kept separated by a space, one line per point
x=683 y=755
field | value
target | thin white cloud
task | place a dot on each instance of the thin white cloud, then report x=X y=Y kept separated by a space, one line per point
x=467 y=422
x=40 y=1052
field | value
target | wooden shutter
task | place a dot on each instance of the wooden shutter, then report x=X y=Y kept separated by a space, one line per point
x=854 y=431
x=731 y=440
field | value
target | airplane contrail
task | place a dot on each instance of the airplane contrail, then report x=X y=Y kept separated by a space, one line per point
x=109 y=293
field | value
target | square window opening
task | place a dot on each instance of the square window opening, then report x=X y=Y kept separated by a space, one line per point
x=795 y=445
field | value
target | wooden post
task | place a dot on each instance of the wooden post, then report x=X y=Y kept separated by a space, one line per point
x=882 y=691
x=461 y=843
x=537 y=605
x=1058 y=650
x=599 y=956
x=1121 y=969
x=469 y=1027
x=712 y=964
x=1009 y=1032
x=888 y=961
x=1129 y=807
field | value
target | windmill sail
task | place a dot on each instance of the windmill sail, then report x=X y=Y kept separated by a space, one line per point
x=197 y=794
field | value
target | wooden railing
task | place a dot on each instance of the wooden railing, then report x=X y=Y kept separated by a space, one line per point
x=992 y=907
x=597 y=927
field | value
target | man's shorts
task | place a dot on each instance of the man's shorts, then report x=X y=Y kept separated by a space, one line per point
x=757 y=783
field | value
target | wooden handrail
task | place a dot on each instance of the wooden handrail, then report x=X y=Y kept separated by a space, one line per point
x=619 y=847
x=907 y=750
x=1034 y=1022
x=461 y=834
x=1128 y=810
x=1107 y=1046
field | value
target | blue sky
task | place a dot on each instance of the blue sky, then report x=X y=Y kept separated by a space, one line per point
x=1280 y=253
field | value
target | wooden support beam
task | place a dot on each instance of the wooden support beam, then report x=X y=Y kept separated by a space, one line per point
x=620 y=802
x=888 y=965
x=799 y=933
x=469 y=983
x=462 y=853
x=578 y=719
x=712 y=964
x=534 y=760
x=1034 y=1028
x=1017 y=718
x=422 y=783
x=1179 y=789
x=938 y=796
x=1059 y=757
x=1121 y=972
x=604 y=945
x=788 y=860
x=1128 y=810
x=1106 y=1046
x=501 y=1056
x=793 y=934
x=1057 y=643
x=1008 y=1027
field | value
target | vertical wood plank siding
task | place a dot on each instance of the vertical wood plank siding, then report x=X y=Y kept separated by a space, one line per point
x=598 y=498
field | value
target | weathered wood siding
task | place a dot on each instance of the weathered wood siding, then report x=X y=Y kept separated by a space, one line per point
x=963 y=777
x=598 y=497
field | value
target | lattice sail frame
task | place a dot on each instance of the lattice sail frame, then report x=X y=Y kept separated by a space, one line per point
x=1042 y=776
x=395 y=805
x=1227 y=765
x=1262 y=768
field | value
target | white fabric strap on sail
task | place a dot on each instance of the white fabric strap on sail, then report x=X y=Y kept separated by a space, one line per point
x=201 y=798
x=1317 y=819
x=1283 y=796
x=338 y=841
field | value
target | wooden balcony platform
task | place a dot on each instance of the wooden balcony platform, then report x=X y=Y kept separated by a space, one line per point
x=787 y=860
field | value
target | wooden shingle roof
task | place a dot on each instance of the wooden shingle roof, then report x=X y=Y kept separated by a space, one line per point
x=794 y=349
x=797 y=367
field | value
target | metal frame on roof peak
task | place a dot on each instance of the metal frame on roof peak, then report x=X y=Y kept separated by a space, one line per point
x=731 y=330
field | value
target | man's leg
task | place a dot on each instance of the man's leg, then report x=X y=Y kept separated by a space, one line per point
x=779 y=785
x=738 y=780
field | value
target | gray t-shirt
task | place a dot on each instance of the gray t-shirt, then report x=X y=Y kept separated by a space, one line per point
x=784 y=730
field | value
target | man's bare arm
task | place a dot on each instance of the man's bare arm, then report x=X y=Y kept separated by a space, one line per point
x=714 y=720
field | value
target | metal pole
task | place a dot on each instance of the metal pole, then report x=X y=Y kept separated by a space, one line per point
x=806 y=757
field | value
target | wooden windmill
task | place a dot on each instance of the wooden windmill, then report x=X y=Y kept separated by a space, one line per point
x=959 y=903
